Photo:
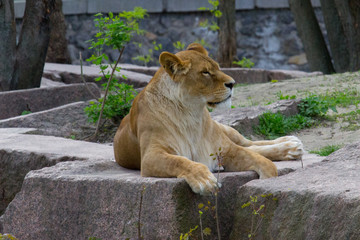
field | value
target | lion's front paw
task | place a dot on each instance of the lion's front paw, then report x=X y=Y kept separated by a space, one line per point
x=290 y=148
x=201 y=180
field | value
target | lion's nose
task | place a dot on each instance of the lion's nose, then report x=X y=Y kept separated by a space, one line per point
x=229 y=85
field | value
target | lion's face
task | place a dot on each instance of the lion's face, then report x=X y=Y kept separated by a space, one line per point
x=199 y=76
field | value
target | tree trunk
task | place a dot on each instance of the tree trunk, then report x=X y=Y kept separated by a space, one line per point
x=58 y=50
x=8 y=43
x=349 y=12
x=311 y=36
x=335 y=32
x=33 y=44
x=227 y=33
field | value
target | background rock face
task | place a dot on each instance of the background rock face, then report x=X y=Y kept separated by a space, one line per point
x=321 y=202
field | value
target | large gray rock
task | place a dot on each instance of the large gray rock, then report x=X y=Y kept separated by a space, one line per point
x=13 y=103
x=245 y=118
x=96 y=197
x=69 y=120
x=21 y=153
x=72 y=74
x=320 y=202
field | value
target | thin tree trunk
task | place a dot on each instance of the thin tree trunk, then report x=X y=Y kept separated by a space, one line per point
x=227 y=33
x=336 y=36
x=58 y=50
x=7 y=43
x=349 y=12
x=310 y=34
x=33 y=44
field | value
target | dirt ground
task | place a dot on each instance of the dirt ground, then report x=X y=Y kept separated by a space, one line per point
x=328 y=132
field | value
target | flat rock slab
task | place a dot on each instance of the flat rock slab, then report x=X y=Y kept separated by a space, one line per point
x=321 y=202
x=13 y=103
x=68 y=121
x=69 y=74
x=253 y=75
x=97 y=198
x=21 y=153
x=245 y=118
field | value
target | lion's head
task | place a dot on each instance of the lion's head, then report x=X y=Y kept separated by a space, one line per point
x=199 y=75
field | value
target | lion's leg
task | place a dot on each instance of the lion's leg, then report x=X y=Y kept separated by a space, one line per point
x=283 y=148
x=159 y=163
x=126 y=146
x=237 y=158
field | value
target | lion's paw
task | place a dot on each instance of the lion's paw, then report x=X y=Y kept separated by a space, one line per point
x=291 y=150
x=201 y=180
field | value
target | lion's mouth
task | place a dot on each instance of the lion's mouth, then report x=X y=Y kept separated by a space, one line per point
x=213 y=104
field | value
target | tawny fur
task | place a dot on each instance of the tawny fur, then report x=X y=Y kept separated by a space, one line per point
x=169 y=131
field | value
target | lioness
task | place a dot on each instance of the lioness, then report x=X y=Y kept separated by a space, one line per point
x=169 y=131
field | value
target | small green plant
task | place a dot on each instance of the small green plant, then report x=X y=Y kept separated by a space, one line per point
x=186 y=236
x=202 y=208
x=286 y=97
x=274 y=125
x=257 y=206
x=117 y=105
x=115 y=32
x=25 y=113
x=315 y=106
x=7 y=237
x=327 y=150
x=179 y=45
x=215 y=12
x=146 y=58
x=244 y=63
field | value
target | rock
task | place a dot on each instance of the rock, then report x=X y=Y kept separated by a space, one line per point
x=65 y=121
x=140 y=69
x=98 y=198
x=253 y=75
x=245 y=118
x=13 y=103
x=45 y=83
x=298 y=59
x=291 y=74
x=21 y=153
x=72 y=74
x=320 y=202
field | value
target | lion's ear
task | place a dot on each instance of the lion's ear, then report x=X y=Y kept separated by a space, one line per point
x=197 y=47
x=173 y=65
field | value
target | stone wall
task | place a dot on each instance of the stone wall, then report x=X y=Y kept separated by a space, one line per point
x=266 y=34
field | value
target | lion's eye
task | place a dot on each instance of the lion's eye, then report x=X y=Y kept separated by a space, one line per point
x=206 y=73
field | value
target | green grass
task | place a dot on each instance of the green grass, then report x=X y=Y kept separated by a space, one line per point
x=274 y=125
x=327 y=150
x=312 y=109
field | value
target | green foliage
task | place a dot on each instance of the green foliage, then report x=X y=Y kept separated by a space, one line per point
x=273 y=125
x=179 y=45
x=146 y=58
x=327 y=150
x=116 y=32
x=25 y=113
x=286 y=97
x=215 y=12
x=186 y=236
x=244 y=63
x=7 y=237
x=257 y=206
x=117 y=105
x=315 y=106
